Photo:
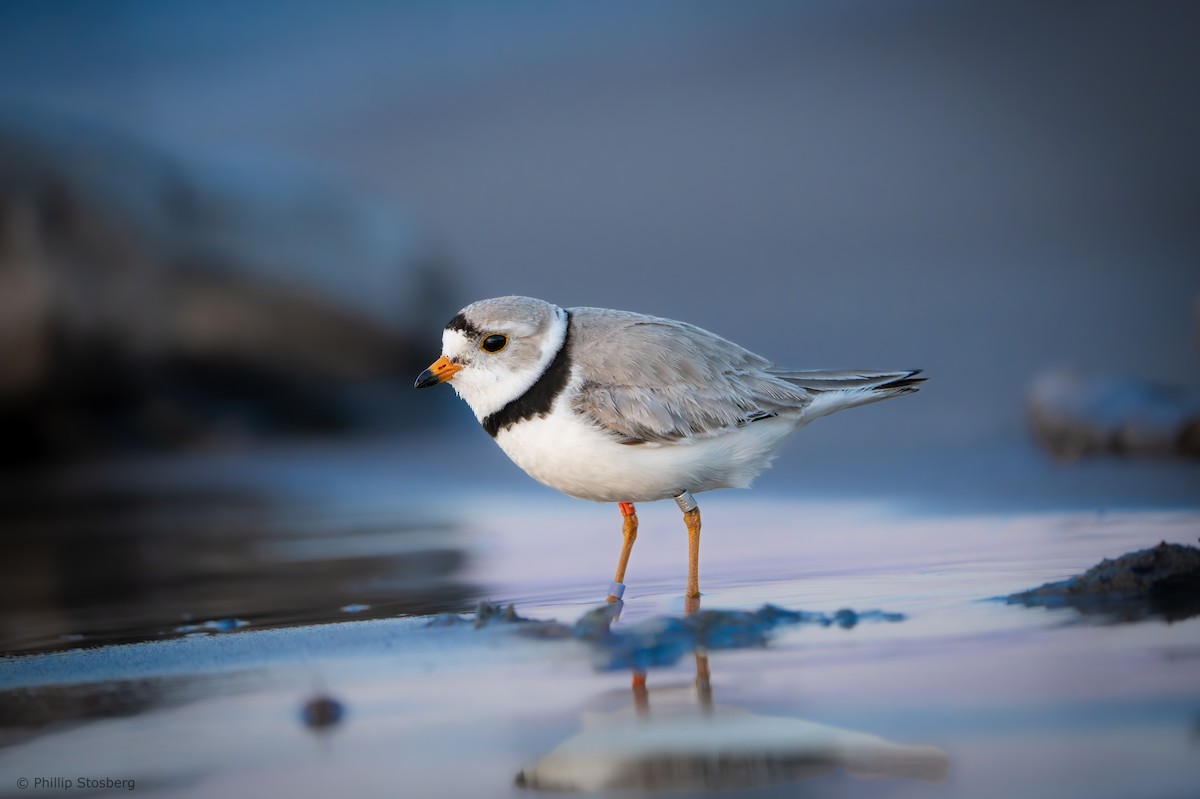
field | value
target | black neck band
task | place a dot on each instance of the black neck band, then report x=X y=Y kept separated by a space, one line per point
x=539 y=398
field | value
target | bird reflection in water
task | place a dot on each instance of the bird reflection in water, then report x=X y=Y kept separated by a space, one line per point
x=680 y=739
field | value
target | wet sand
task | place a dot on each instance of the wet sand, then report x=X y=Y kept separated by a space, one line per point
x=967 y=696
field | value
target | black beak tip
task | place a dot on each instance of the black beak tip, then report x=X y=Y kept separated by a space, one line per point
x=426 y=379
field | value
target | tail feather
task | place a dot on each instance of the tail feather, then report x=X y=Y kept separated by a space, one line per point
x=909 y=383
x=835 y=391
x=820 y=380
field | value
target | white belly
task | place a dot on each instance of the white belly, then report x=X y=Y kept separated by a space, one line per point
x=564 y=453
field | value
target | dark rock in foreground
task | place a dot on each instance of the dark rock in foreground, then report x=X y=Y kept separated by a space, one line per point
x=1163 y=581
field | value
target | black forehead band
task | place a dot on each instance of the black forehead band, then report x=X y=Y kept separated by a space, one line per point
x=461 y=324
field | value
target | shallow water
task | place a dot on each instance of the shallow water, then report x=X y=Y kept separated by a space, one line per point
x=966 y=697
x=107 y=566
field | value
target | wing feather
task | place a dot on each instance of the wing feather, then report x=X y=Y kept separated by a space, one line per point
x=647 y=379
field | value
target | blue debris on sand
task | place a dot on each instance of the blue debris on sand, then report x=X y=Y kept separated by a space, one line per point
x=663 y=640
x=213 y=626
x=488 y=614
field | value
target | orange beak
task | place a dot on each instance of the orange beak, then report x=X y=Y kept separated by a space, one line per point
x=441 y=371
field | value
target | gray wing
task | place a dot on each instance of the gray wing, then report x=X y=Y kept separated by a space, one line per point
x=647 y=379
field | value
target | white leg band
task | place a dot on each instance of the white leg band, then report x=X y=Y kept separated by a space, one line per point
x=686 y=501
x=616 y=590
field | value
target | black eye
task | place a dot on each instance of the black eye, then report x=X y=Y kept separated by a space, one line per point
x=493 y=343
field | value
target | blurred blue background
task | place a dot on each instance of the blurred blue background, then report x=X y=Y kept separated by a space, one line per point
x=982 y=190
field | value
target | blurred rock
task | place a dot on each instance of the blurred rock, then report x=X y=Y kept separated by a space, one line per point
x=1074 y=416
x=146 y=300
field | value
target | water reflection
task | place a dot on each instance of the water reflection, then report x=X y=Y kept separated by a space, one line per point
x=28 y=712
x=128 y=566
x=681 y=739
x=673 y=739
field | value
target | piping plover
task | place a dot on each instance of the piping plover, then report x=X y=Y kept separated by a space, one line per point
x=614 y=406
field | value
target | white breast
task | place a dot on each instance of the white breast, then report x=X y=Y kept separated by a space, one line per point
x=567 y=453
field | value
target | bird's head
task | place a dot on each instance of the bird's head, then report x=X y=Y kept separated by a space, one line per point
x=494 y=350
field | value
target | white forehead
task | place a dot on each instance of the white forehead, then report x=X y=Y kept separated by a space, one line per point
x=455 y=341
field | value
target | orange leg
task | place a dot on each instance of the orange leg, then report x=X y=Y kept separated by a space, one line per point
x=691 y=518
x=629 y=530
x=692 y=605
